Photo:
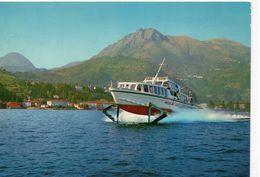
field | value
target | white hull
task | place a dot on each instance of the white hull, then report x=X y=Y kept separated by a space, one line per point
x=130 y=118
x=131 y=97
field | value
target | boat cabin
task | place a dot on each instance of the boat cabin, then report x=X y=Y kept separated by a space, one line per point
x=144 y=87
x=163 y=81
x=161 y=86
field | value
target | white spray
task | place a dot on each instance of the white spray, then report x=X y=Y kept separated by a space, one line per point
x=187 y=116
x=204 y=115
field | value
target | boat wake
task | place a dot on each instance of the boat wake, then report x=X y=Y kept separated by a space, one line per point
x=187 y=116
x=205 y=115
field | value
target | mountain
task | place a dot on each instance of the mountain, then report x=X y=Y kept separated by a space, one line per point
x=215 y=69
x=15 y=62
x=71 y=64
x=184 y=54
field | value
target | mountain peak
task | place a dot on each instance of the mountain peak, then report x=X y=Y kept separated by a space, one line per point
x=16 y=62
x=149 y=34
x=14 y=55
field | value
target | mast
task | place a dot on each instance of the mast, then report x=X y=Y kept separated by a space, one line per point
x=155 y=77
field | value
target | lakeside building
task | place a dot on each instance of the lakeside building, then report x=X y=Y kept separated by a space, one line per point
x=27 y=104
x=31 y=103
x=44 y=106
x=13 y=105
x=95 y=104
x=57 y=103
x=77 y=106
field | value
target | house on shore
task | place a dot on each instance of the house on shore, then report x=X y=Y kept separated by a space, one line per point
x=13 y=105
x=51 y=103
x=31 y=103
x=96 y=104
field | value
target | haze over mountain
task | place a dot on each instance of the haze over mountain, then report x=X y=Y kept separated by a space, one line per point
x=15 y=62
x=216 y=69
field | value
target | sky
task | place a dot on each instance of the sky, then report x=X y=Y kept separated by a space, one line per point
x=54 y=34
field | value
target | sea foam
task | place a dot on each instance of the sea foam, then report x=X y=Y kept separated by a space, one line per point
x=186 y=116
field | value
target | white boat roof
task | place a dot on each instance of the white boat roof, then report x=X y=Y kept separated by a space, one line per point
x=150 y=79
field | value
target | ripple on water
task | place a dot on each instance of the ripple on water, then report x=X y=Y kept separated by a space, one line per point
x=235 y=139
x=26 y=131
x=121 y=163
x=49 y=152
x=218 y=170
x=197 y=158
x=230 y=151
x=133 y=172
x=3 y=167
x=171 y=158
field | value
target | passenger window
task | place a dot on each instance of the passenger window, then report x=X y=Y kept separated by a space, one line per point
x=145 y=88
x=165 y=92
x=159 y=90
x=150 y=89
x=162 y=91
x=155 y=89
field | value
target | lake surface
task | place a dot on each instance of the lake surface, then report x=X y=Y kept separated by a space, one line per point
x=83 y=143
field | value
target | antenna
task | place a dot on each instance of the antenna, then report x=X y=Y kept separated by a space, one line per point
x=155 y=77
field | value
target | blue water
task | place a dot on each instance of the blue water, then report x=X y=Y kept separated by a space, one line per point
x=81 y=143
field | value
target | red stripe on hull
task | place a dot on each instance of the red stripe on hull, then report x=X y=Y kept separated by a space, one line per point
x=142 y=110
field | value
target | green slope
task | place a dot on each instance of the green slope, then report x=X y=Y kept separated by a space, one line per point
x=229 y=84
x=13 y=89
x=9 y=86
x=98 y=71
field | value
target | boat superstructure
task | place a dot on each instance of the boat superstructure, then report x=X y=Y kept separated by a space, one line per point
x=154 y=97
